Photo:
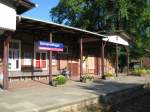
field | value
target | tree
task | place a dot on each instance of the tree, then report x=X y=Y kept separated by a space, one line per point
x=131 y=16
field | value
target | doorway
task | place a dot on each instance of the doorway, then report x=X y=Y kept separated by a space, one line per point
x=14 y=62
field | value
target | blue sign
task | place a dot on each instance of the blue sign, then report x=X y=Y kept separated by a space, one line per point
x=43 y=45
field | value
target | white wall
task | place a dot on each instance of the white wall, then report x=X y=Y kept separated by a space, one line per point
x=7 y=17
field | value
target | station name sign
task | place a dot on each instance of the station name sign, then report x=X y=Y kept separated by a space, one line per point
x=48 y=46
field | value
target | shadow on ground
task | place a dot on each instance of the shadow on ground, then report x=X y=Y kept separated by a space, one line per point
x=121 y=96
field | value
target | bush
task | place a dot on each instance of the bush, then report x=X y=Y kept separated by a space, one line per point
x=139 y=71
x=86 y=77
x=59 y=80
x=108 y=74
x=148 y=71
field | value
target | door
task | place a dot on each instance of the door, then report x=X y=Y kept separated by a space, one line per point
x=73 y=68
x=14 y=56
x=91 y=65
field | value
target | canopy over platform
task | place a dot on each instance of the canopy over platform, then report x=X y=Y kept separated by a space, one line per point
x=35 y=25
x=116 y=39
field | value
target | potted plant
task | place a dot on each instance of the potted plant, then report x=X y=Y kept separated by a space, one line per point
x=58 y=80
x=87 y=78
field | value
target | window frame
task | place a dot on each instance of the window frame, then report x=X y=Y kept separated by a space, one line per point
x=19 y=58
x=40 y=52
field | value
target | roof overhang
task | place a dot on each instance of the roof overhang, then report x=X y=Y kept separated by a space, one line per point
x=35 y=25
x=116 y=39
x=23 y=6
x=20 y=6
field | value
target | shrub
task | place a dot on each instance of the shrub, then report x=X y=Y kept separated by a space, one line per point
x=86 y=77
x=148 y=71
x=108 y=74
x=139 y=71
x=59 y=80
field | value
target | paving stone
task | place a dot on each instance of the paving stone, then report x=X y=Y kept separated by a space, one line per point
x=34 y=98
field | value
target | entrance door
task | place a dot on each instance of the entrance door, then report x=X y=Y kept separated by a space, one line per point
x=91 y=65
x=14 y=56
x=73 y=68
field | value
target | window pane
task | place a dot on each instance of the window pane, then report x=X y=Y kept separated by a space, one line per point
x=37 y=56
x=43 y=56
x=43 y=64
x=37 y=64
x=16 y=54
x=15 y=45
x=17 y=64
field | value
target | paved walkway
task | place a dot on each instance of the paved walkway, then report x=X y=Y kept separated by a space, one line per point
x=37 y=98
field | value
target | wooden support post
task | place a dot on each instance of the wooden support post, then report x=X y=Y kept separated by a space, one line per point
x=5 y=62
x=102 y=59
x=71 y=74
x=116 y=60
x=127 y=51
x=50 y=60
x=97 y=66
x=81 y=57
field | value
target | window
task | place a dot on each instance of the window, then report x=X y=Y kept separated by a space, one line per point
x=40 y=59
x=91 y=63
x=14 y=61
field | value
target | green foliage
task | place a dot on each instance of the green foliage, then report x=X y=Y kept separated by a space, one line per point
x=148 y=71
x=131 y=16
x=140 y=71
x=85 y=78
x=108 y=74
x=59 y=80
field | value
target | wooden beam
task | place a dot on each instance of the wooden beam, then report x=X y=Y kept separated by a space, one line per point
x=50 y=60
x=116 y=60
x=5 y=62
x=81 y=57
x=97 y=66
x=88 y=40
x=127 y=52
x=102 y=59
